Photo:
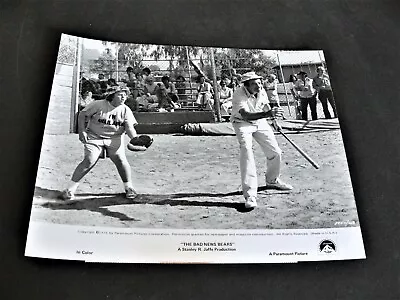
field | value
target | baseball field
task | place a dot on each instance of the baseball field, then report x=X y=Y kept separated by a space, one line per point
x=194 y=182
x=191 y=182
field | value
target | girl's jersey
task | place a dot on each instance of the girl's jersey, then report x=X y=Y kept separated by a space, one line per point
x=107 y=121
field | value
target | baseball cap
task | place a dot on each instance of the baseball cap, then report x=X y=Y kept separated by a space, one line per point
x=115 y=89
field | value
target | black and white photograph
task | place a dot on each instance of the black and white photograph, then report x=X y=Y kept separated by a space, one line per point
x=178 y=137
x=171 y=197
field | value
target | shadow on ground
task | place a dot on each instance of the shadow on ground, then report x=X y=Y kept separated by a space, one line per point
x=99 y=202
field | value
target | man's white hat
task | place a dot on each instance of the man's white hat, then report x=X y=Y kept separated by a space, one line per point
x=250 y=76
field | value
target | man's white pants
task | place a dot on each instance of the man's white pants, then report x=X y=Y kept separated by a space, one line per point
x=264 y=136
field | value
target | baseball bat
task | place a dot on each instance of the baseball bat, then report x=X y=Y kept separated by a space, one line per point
x=309 y=159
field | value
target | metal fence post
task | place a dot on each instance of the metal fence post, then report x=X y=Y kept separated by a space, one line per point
x=215 y=82
x=284 y=85
x=75 y=87
x=116 y=61
x=189 y=72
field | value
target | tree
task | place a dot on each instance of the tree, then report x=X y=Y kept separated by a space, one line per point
x=178 y=53
x=243 y=60
x=175 y=52
x=104 y=64
x=128 y=54
x=132 y=54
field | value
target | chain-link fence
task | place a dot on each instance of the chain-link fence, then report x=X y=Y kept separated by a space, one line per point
x=184 y=74
x=67 y=50
x=184 y=71
x=62 y=88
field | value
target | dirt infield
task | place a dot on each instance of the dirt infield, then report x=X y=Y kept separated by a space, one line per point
x=194 y=182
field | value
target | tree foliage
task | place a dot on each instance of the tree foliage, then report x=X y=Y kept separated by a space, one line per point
x=132 y=54
x=243 y=60
x=104 y=64
x=172 y=52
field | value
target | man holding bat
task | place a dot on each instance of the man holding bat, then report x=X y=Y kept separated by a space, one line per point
x=250 y=108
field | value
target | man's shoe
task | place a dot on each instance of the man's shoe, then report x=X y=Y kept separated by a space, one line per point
x=130 y=193
x=279 y=185
x=251 y=202
x=66 y=195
